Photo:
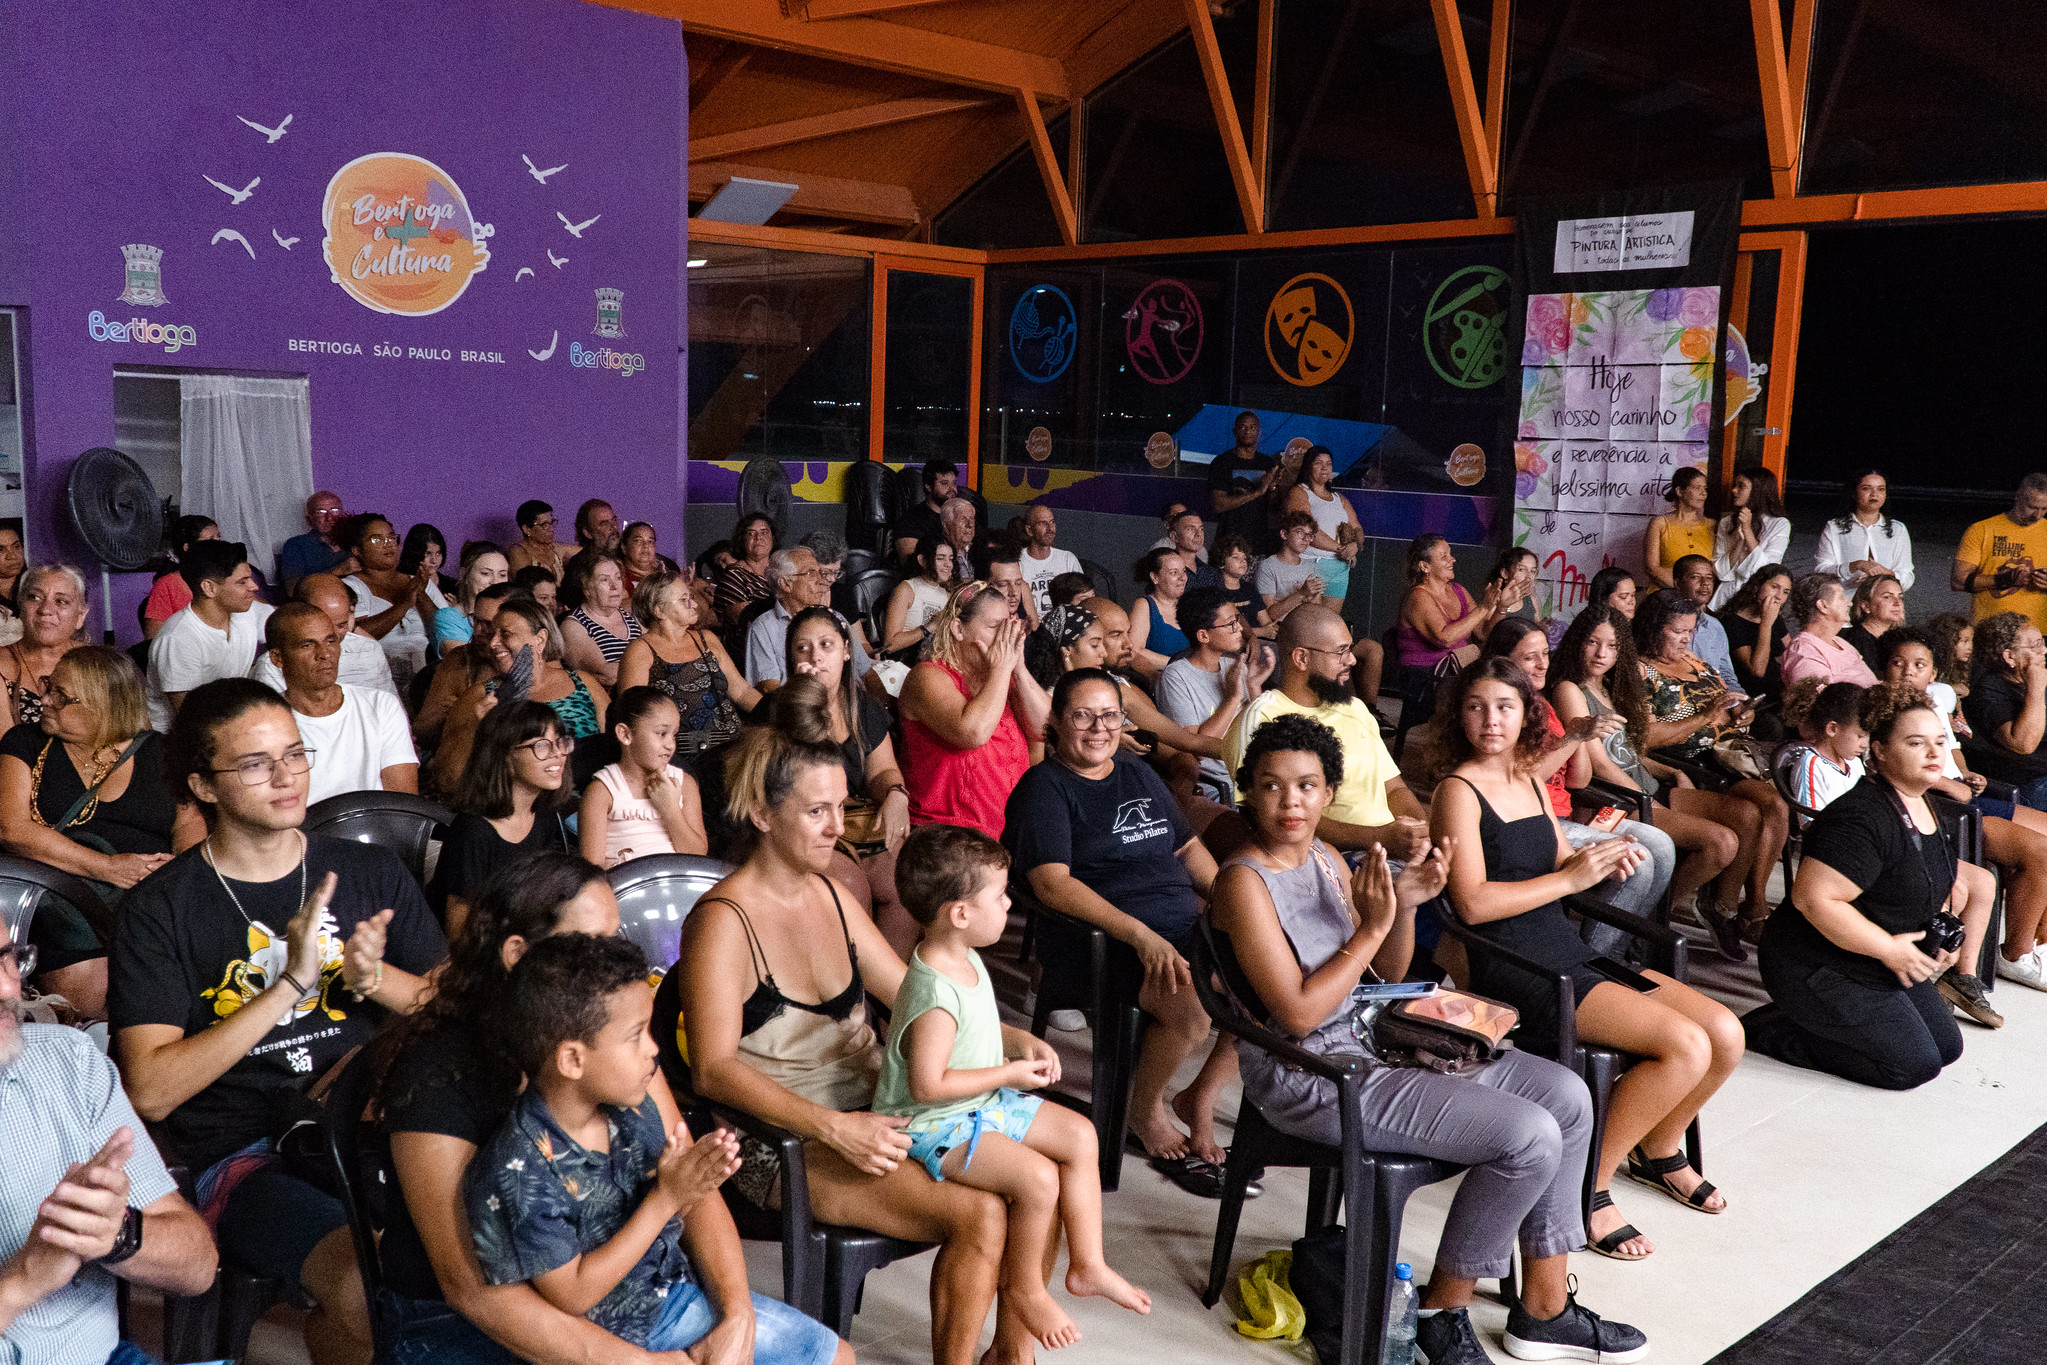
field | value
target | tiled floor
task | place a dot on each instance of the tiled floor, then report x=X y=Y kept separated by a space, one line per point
x=1815 y=1170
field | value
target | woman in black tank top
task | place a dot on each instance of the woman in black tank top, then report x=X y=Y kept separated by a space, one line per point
x=774 y=966
x=1512 y=893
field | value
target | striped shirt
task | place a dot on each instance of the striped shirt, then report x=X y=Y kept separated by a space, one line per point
x=58 y=1105
x=1816 y=780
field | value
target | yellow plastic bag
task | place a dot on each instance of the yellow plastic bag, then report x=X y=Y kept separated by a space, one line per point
x=1270 y=1308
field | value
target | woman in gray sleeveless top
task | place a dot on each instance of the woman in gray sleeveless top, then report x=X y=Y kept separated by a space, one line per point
x=1521 y=1125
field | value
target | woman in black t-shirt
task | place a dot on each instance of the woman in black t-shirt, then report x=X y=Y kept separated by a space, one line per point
x=511 y=800
x=245 y=970
x=1754 y=621
x=1852 y=990
x=83 y=790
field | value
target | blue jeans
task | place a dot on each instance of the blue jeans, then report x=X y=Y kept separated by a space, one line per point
x=128 y=1353
x=2034 y=794
x=428 y=1332
x=781 y=1335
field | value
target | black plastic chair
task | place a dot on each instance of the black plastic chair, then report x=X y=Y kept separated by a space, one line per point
x=1801 y=815
x=396 y=821
x=360 y=1174
x=1970 y=847
x=1076 y=972
x=1599 y=1067
x=1104 y=582
x=1376 y=1185
x=655 y=895
x=23 y=884
x=870 y=601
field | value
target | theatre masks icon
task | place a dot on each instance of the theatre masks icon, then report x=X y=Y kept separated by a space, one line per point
x=1309 y=326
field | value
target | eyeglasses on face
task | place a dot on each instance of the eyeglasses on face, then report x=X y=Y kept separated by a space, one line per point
x=1097 y=720
x=56 y=699
x=545 y=749
x=254 y=772
x=18 y=959
x=1347 y=652
x=380 y=540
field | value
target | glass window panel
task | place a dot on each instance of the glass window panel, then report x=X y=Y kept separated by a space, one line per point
x=1008 y=207
x=1038 y=378
x=1165 y=351
x=778 y=354
x=1155 y=165
x=927 y=381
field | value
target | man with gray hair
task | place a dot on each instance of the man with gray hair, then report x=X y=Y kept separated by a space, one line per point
x=2002 y=561
x=84 y=1197
x=798 y=583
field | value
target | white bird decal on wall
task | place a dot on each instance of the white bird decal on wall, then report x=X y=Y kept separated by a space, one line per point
x=231 y=235
x=575 y=229
x=269 y=134
x=234 y=195
x=536 y=172
x=547 y=354
x=556 y=261
x=285 y=242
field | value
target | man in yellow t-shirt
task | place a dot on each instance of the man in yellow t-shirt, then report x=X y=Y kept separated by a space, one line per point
x=1373 y=804
x=2003 y=561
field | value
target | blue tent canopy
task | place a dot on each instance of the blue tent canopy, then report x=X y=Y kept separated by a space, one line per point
x=1212 y=431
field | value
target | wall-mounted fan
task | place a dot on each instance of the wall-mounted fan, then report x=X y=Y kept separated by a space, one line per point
x=764 y=488
x=116 y=512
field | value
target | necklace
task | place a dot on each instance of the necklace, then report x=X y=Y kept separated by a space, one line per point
x=100 y=769
x=206 y=852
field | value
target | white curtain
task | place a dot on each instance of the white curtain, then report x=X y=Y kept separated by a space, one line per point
x=246 y=451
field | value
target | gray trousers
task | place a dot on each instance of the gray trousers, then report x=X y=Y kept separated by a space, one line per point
x=1522 y=1125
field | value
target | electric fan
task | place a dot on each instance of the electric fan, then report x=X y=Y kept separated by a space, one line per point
x=115 y=510
x=764 y=488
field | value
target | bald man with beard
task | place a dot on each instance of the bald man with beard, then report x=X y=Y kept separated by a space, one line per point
x=363 y=663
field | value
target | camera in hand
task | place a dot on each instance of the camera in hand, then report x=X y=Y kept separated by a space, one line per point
x=1943 y=935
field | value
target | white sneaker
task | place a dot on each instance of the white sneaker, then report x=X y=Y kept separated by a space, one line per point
x=1073 y=1021
x=2030 y=970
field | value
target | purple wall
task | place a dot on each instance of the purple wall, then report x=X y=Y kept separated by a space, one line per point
x=111 y=115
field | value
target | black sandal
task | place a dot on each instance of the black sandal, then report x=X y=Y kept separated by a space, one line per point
x=1203 y=1179
x=1724 y=924
x=1609 y=1246
x=1655 y=1172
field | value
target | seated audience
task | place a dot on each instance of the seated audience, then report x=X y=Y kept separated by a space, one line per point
x=968 y=1120
x=1305 y=937
x=1070 y=637
x=1866 y=540
x=318 y=550
x=1333 y=548
x=828 y=548
x=1826 y=758
x=483 y=566
x=966 y=712
x=538 y=582
x=1684 y=1044
x=597 y=527
x=363 y=663
x=462 y=666
x=1818 y=651
x=13 y=559
x=358 y=737
x=512 y=799
x=1203 y=688
x=1753 y=621
x=959 y=525
x=386 y=601
x=1851 y=980
x=1613 y=587
x=537 y=545
x=577 y=699
x=87 y=1199
x=686 y=664
x=1042 y=560
x=244 y=972
x=2014 y=836
x=596 y=633
x=1594 y=675
x=1174 y=741
x=216 y=637
x=1438 y=619
x=1690 y=709
x=1370 y=804
x=1953 y=637
x=1565 y=762
x=2007 y=702
x=745 y=579
x=1187 y=536
x=1695 y=579
x=1878 y=606
x=914 y=601
x=52 y=603
x=641 y=556
x=587 y=1192
x=1005 y=575
x=170 y=594
x=1287 y=578
x=84 y=791
x=1235 y=580
x=1684 y=530
x=1097 y=836
x=1514 y=573
x=941 y=481
x=643 y=803
x=1155 y=634
x=1754 y=532
x=798 y=585
x=778 y=1027
x=1069 y=588
x=423 y=555
x=829 y=707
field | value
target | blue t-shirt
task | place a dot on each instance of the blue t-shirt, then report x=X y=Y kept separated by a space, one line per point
x=537 y=1199
x=304 y=554
x=452 y=626
x=1117 y=834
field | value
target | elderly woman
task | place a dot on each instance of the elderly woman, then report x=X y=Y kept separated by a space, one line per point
x=171 y=594
x=387 y=601
x=689 y=664
x=2007 y=701
x=1689 y=708
x=1877 y=608
x=640 y=557
x=775 y=969
x=483 y=564
x=917 y=599
x=1754 y=532
x=1155 y=634
x=597 y=632
x=967 y=712
x=1098 y=837
x=1306 y=935
x=84 y=791
x=745 y=580
x=53 y=610
x=578 y=699
x=536 y=522
x=1818 y=651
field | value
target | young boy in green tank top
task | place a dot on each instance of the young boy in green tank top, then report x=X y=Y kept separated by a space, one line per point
x=969 y=1120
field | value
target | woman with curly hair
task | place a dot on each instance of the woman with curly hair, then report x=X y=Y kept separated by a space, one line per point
x=1512 y=894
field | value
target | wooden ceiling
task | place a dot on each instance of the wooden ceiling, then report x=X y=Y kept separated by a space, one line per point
x=885 y=111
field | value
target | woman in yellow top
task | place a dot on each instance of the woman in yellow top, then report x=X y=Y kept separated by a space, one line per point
x=1684 y=530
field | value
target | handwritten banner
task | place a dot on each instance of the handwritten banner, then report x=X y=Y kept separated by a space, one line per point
x=1636 y=241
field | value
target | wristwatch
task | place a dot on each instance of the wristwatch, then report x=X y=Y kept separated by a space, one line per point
x=129 y=1240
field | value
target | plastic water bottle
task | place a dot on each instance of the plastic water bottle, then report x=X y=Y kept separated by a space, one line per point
x=1401 y=1317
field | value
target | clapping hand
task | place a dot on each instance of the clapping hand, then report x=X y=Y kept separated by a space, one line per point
x=362 y=957
x=1373 y=893
x=304 y=957
x=80 y=1221
x=689 y=1170
x=1426 y=874
x=1595 y=862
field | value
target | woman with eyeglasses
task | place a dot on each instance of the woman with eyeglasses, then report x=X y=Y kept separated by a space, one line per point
x=245 y=970
x=745 y=579
x=537 y=545
x=388 y=600
x=522 y=628
x=513 y=798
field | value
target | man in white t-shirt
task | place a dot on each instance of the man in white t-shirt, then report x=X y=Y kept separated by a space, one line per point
x=358 y=737
x=363 y=661
x=216 y=637
x=1041 y=562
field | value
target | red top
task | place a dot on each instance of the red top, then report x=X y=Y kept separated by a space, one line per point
x=1559 y=794
x=954 y=786
x=167 y=598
